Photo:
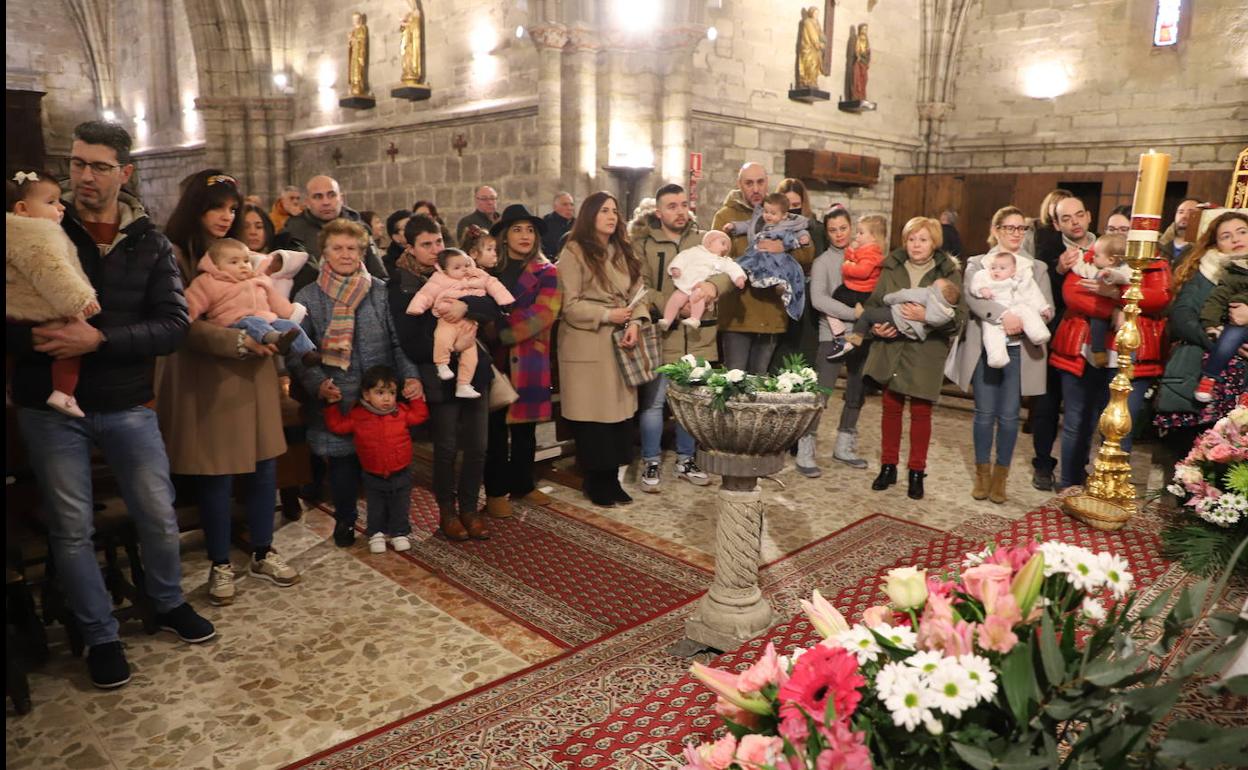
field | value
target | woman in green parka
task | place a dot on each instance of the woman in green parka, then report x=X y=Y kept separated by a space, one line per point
x=910 y=368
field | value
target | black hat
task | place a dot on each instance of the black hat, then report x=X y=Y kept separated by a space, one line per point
x=514 y=213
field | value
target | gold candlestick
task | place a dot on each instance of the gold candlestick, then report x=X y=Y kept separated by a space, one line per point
x=1108 y=500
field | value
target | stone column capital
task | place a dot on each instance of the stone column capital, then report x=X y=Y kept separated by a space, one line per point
x=554 y=36
x=685 y=36
x=935 y=111
x=581 y=38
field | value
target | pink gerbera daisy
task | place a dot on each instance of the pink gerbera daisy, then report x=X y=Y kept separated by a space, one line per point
x=824 y=674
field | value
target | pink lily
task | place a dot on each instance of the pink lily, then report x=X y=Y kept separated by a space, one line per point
x=725 y=685
x=826 y=619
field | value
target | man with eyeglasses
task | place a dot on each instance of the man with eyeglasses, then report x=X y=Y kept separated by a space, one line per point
x=143 y=315
x=1072 y=220
x=323 y=203
x=1174 y=244
x=484 y=215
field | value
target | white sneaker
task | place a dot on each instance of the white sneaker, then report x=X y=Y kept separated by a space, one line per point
x=651 y=477
x=400 y=543
x=221 y=584
x=445 y=373
x=665 y=324
x=377 y=543
x=688 y=470
x=466 y=391
x=692 y=323
x=65 y=404
x=274 y=569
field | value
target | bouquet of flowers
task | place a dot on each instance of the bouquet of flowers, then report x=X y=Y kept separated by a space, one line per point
x=1212 y=483
x=1027 y=650
x=795 y=376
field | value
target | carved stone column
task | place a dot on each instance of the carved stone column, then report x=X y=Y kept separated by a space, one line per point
x=550 y=40
x=584 y=46
x=246 y=137
x=678 y=45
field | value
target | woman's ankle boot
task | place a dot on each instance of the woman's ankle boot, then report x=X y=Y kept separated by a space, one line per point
x=996 y=492
x=599 y=489
x=983 y=481
x=915 y=492
x=451 y=526
x=887 y=478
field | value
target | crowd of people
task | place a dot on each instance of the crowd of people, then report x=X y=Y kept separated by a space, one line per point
x=163 y=348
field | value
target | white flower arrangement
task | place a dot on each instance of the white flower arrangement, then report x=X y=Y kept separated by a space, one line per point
x=727 y=384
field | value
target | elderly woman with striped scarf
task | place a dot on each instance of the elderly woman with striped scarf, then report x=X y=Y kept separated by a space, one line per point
x=349 y=317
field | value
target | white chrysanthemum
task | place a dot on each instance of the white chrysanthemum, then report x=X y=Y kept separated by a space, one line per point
x=979 y=669
x=1116 y=571
x=860 y=642
x=1084 y=571
x=1056 y=557
x=951 y=690
x=927 y=661
x=905 y=700
x=1227 y=510
x=689 y=358
x=1093 y=609
x=891 y=674
x=808 y=374
x=900 y=636
x=1177 y=490
x=699 y=373
x=735 y=375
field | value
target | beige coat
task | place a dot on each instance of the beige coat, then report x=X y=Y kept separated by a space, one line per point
x=591 y=386
x=219 y=414
x=43 y=280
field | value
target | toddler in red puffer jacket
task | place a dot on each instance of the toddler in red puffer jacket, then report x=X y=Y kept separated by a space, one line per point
x=380 y=424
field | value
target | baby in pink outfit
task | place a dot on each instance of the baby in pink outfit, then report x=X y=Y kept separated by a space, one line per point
x=457 y=276
x=693 y=266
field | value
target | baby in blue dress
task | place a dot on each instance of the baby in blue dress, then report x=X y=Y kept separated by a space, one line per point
x=767 y=269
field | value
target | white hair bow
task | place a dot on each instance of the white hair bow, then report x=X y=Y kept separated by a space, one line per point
x=23 y=177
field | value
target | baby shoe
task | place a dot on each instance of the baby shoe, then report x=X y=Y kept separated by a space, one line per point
x=1204 y=390
x=445 y=373
x=377 y=543
x=65 y=404
x=665 y=324
x=400 y=543
x=692 y=323
x=466 y=391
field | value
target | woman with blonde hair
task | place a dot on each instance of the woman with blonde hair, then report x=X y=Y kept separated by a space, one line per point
x=907 y=368
x=599 y=275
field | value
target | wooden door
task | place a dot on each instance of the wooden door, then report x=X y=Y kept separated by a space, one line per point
x=23 y=129
x=983 y=195
x=918 y=195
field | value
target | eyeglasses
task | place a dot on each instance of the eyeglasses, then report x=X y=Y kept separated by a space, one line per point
x=221 y=179
x=98 y=167
x=1118 y=230
x=1012 y=229
x=487 y=197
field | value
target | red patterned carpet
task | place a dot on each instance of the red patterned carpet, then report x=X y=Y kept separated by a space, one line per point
x=567 y=580
x=632 y=737
x=505 y=724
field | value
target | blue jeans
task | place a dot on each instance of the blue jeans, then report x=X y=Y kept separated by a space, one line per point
x=651 y=399
x=214 y=508
x=60 y=455
x=1224 y=349
x=257 y=328
x=1085 y=397
x=998 y=398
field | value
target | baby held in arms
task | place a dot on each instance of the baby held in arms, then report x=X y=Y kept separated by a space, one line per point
x=693 y=266
x=1004 y=283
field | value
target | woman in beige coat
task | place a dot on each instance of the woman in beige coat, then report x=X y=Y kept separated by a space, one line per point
x=218 y=401
x=598 y=277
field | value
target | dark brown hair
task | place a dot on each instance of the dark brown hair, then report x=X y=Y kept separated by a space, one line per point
x=205 y=190
x=777 y=199
x=474 y=235
x=1209 y=242
x=265 y=222
x=585 y=235
x=15 y=191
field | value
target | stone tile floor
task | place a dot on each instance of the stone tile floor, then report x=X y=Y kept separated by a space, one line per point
x=364 y=639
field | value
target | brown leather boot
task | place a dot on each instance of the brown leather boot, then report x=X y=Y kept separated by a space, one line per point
x=498 y=507
x=451 y=526
x=997 y=491
x=474 y=524
x=983 y=480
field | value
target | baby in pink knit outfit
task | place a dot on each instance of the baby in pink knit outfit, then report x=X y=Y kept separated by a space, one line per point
x=456 y=276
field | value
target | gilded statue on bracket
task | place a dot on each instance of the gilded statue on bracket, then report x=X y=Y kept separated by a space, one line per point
x=412 y=45
x=357 y=55
x=811 y=44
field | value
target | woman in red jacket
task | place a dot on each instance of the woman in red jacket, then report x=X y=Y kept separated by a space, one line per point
x=1085 y=388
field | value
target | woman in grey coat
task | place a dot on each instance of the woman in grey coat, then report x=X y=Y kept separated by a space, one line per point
x=825 y=277
x=998 y=392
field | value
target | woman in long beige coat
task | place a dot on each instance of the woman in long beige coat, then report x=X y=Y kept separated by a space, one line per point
x=218 y=401
x=598 y=277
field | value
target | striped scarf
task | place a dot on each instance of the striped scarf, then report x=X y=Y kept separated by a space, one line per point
x=347 y=292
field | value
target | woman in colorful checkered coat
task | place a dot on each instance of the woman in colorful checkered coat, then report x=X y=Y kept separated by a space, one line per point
x=523 y=353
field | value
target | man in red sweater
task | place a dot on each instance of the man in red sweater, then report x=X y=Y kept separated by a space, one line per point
x=380 y=424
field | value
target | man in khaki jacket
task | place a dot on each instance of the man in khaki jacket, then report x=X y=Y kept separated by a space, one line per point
x=671 y=231
x=751 y=322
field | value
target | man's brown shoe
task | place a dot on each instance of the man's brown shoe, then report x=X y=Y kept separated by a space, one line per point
x=474 y=524
x=538 y=497
x=451 y=526
x=498 y=507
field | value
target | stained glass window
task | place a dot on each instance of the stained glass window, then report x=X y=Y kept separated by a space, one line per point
x=1166 y=29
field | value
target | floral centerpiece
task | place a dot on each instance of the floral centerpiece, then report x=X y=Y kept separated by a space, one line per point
x=1026 y=659
x=795 y=376
x=1212 y=483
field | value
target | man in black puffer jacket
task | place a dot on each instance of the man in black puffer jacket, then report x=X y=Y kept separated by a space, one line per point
x=143 y=315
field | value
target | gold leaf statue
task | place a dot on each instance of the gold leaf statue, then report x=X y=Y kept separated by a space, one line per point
x=412 y=45
x=357 y=55
x=811 y=44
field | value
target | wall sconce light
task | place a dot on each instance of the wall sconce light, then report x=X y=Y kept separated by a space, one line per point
x=110 y=116
x=712 y=34
x=1045 y=80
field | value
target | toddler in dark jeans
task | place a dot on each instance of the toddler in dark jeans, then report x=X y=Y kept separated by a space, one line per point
x=1215 y=318
x=383 y=443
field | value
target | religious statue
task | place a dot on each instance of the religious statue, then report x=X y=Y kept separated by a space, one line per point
x=811 y=45
x=357 y=55
x=412 y=45
x=861 y=59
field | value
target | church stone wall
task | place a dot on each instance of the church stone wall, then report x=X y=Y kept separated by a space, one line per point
x=1190 y=99
x=43 y=52
x=741 y=109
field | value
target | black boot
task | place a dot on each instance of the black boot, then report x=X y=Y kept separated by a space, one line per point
x=915 y=491
x=617 y=492
x=599 y=489
x=887 y=478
